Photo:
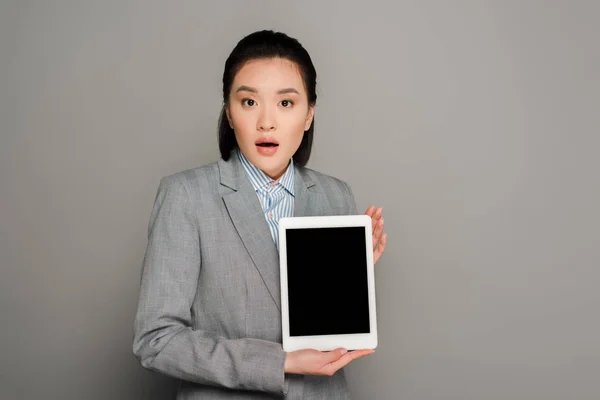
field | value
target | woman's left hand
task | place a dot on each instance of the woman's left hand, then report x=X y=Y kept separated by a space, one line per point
x=379 y=238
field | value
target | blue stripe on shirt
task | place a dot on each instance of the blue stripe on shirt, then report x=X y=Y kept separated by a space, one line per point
x=276 y=197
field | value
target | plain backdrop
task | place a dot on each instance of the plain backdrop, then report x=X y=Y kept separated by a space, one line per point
x=474 y=123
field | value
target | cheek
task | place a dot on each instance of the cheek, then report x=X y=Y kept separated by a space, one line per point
x=297 y=120
x=299 y=128
x=243 y=123
x=238 y=118
x=296 y=135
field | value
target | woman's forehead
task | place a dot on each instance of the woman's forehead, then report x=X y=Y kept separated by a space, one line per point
x=272 y=74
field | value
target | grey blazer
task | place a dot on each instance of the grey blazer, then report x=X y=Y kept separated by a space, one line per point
x=209 y=310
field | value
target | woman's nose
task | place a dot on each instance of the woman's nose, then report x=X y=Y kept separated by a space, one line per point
x=266 y=120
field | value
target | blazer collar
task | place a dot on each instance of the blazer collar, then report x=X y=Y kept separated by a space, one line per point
x=248 y=217
x=233 y=175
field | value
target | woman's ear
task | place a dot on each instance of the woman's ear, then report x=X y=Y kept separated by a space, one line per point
x=228 y=116
x=309 y=117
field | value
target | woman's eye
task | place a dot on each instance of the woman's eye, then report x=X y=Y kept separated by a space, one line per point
x=286 y=103
x=248 y=102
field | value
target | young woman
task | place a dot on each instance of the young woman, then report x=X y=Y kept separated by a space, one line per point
x=209 y=306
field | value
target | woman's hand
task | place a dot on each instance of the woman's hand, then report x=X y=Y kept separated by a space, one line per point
x=379 y=238
x=315 y=362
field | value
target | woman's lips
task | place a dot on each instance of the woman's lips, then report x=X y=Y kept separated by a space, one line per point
x=267 y=148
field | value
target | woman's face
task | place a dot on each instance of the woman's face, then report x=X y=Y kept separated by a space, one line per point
x=268 y=110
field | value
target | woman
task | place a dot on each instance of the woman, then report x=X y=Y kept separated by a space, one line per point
x=208 y=311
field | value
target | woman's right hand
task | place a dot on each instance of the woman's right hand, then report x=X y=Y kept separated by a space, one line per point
x=315 y=362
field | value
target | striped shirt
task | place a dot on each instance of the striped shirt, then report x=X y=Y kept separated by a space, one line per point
x=276 y=197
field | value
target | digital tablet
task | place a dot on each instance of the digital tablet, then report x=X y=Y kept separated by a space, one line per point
x=327 y=283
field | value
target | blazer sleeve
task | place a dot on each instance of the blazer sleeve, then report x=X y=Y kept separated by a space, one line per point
x=164 y=337
x=351 y=202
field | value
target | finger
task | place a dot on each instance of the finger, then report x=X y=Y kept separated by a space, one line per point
x=373 y=221
x=367 y=351
x=336 y=354
x=377 y=231
x=377 y=212
x=376 y=217
x=380 y=248
x=348 y=358
x=370 y=211
x=377 y=238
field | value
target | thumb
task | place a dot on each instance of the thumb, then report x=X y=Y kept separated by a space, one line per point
x=336 y=354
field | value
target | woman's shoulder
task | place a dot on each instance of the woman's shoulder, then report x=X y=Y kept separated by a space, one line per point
x=322 y=179
x=192 y=178
x=335 y=189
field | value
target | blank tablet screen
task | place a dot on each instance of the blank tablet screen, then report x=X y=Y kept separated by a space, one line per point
x=327 y=281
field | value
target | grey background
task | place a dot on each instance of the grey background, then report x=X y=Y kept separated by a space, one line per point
x=474 y=123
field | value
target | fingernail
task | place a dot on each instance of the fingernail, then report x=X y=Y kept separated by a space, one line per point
x=344 y=351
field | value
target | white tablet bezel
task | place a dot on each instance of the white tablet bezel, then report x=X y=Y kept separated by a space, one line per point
x=327 y=342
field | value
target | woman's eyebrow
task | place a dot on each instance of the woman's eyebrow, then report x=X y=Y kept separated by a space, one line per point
x=245 y=88
x=288 y=90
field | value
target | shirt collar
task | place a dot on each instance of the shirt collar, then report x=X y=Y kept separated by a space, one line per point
x=261 y=181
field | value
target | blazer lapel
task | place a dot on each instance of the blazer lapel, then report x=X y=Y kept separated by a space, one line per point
x=249 y=220
x=304 y=199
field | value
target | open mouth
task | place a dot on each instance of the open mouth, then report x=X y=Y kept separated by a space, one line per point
x=267 y=142
x=267 y=146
